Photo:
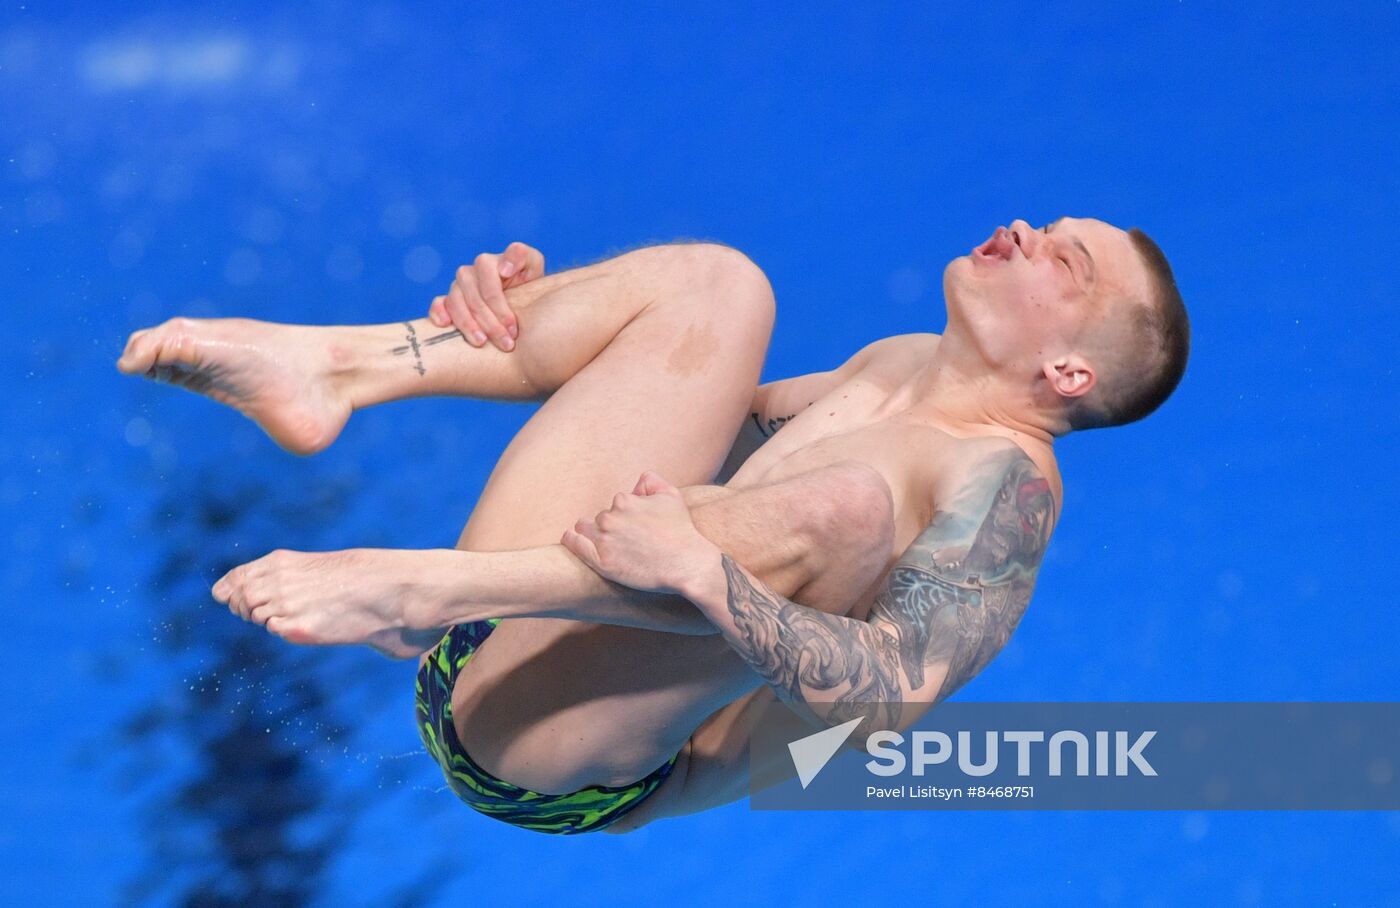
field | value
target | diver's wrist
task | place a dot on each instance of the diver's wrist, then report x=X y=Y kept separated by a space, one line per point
x=701 y=579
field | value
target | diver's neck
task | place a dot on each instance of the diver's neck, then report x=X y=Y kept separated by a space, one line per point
x=961 y=394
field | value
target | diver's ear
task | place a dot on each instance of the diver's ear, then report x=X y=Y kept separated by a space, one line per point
x=1070 y=375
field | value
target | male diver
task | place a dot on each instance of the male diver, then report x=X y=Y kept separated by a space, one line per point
x=666 y=546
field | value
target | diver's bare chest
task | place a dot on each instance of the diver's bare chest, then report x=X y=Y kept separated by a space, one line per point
x=843 y=426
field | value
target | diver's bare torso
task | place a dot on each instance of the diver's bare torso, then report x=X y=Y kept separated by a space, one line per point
x=509 y=701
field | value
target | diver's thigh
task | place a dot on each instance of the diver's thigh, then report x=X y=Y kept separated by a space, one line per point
x=667 y=394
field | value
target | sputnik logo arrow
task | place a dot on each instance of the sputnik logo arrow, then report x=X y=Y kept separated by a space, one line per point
x=813 y=752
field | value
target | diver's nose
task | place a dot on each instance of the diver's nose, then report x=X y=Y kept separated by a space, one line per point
x=1023 y=234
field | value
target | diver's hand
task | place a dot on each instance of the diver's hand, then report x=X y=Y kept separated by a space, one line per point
x=476 y=303
x=646 y=540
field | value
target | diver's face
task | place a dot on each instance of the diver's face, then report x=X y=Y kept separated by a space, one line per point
x=1030 y=293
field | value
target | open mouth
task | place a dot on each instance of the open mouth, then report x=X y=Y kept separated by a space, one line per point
x=1001 y=246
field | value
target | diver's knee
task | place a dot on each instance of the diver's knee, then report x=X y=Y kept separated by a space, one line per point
x=735 y=284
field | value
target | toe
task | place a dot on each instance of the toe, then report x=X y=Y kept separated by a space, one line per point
x=135 y=357
x=238 y=592
x=238 y=603
x=230 y=586
x=284 y=628
x=261 y=614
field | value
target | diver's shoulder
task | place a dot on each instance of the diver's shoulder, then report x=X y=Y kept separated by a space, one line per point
x=1003 y=456
x=918 y=342
x=896 y=350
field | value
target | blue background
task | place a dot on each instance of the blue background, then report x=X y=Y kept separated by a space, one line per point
x=329 y=165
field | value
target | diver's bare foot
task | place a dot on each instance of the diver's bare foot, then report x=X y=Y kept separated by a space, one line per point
x=359 y=596
x=279 y=376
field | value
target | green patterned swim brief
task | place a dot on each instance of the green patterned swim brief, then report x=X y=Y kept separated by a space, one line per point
x=585 y=810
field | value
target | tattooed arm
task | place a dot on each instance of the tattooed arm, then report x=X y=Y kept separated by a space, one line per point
x=949 y=605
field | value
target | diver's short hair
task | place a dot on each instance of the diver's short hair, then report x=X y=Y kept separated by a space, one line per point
x=1155 y=359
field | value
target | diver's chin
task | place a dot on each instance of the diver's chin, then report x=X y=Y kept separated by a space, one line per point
x=962 y=275
x=962 y=265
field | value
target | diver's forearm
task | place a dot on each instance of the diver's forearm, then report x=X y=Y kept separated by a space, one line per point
x=543 y=582
x=834 y=667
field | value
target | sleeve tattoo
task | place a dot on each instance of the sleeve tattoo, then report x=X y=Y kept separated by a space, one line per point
x=951 y=602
